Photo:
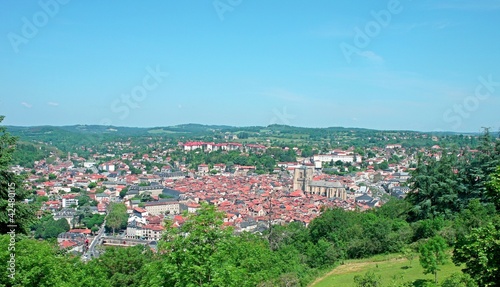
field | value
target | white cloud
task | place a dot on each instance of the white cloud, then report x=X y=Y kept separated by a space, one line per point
x=372 y=56
x=406 y=28
x=437 y=25
x=26 y=104
x=54 y=104
x=443 y=24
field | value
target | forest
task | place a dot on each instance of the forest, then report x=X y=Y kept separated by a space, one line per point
x=453 y=205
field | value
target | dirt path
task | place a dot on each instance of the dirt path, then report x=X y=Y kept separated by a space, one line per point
x=350 y=267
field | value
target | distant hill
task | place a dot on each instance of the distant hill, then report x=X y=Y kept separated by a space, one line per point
x=193 y=128
x=74 y=138
x=81 y=129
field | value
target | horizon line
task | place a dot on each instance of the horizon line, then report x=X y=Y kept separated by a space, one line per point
x=249 y=126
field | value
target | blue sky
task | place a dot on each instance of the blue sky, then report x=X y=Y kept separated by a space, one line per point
x=413 y=65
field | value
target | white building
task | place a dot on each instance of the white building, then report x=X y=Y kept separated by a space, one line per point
x=319 y=159
x=162 y=207
x=88 y=164
x=67 y=202
x=107 y=167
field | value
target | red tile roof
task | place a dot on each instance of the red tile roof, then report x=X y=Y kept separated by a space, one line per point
x=66 y=244
x=82 y=231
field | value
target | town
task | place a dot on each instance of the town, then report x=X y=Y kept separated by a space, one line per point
x=159 y=187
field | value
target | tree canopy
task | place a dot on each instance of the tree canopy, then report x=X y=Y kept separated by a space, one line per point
x=13 y=209
x=479 y=251
x=433 y=254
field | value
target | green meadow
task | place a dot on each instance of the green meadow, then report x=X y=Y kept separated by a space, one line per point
x=393 y=270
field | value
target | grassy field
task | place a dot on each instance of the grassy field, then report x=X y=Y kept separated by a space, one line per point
x=162 y=131
x=393 y=270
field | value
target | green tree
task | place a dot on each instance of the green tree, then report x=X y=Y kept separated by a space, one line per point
x=90 y=274
x=427 y=228
x=145 y=196
x=123 y=266
x=202 y=252
x=117 y=217
x=84 y=200
x=323 y=253
x=459 y=280
x=190 y=249
x=408 y=254
x=370 y=279
x=434 y=188
x=494 y=187
x=62 y=224
x=76 y=189
x=432 y=255
x=479 y=166
x=307 y=151
x=476 y=215
x=13 y=210
x=384 y=165
x=47 y=227
x=446 y=186
x=41 y=199
x=394 y=208
x=37 y=263
x=479 y=252
x=93 y=220
x=123 y=192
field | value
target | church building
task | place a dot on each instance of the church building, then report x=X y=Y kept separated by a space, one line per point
x=303 y=180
